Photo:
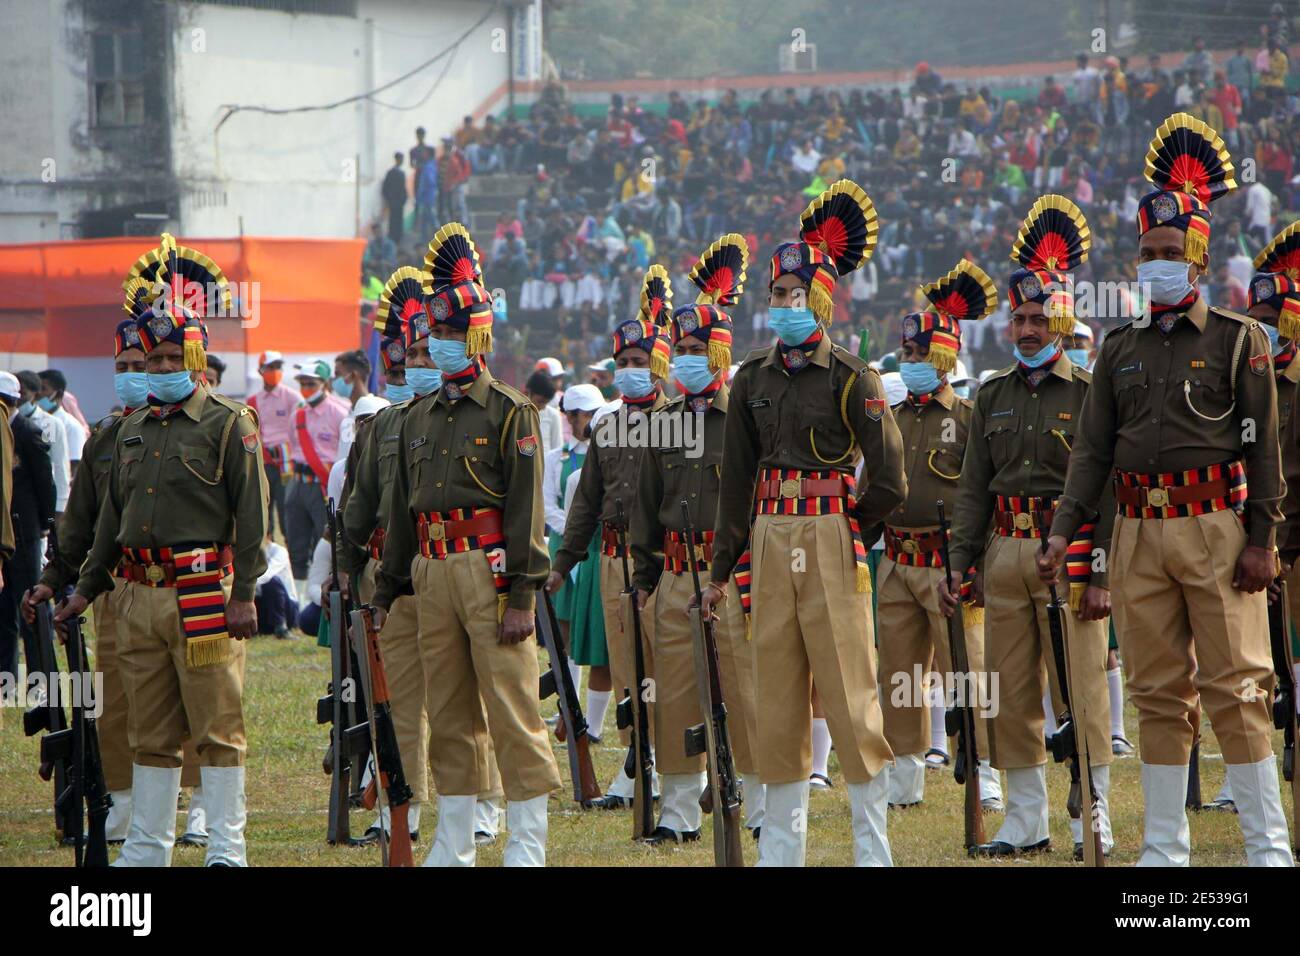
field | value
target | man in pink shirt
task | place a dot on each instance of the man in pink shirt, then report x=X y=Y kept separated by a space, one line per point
x=313 y=446
x=274 y=405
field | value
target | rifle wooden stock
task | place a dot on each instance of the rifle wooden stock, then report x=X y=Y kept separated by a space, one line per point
x=1193 y=801
x=639 y=753
x=1071 y=739
x=960 y=719
x=723 y=790
x=394 y=850
x=573 y=724
x=1284 y=699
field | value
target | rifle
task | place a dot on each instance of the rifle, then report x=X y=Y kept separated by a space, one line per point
x=339 y=707
x=1284 y=698
x=633 y=711
x=47 y=714
x=1193 y=801
x=383 y=744
x=1070 y=742
x=960 y=718
x=559 y=681
x=711 y=737
x=77 y=748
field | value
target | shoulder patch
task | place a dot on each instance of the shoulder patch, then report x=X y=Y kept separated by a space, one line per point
x=527 y=445
x=250 y=442
x=1261 y=363
x=875 y=408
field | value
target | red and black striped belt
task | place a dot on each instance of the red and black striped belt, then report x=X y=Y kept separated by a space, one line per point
x=376 y=544
x=458 y=530
x=913 y=548
x=161 y=567
x=609 y=541
x=677 y=554
x=1181 y=494
x=1023 y=516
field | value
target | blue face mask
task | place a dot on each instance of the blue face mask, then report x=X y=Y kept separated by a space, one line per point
x=28 y=409
x=422 y=381
x=962 y=390
x=342 y=387
x=792 y=326
x=1044 y=355
x=921 y=378
x=693 y=373
x=634 y=382
x=46 y=403
x=1166 y=280
x=132 y=388
x=399 y=393
x=1078 y=356
x=171 y=387
x=449 y=355
x=1274 y=338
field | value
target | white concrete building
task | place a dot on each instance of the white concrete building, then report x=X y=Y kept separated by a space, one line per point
x=131 y=116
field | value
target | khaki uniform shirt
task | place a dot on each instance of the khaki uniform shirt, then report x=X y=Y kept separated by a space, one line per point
x=670 y=475
x=609 y=476
x=1021 y=441
x=76 y=526
x=1166 y=403
x=481 y=451
x=934 y=439
x=783 y=420
x=192 y=478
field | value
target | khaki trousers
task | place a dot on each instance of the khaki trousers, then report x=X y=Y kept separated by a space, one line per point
x=1017 y=651
x=736 y=663
x=456 y=612
x=914 y=638
x=810 y=623
x=168 y=701
x=1183 y=629
x=621 y=665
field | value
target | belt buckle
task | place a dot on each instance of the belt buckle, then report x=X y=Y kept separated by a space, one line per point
x=790 y=488
x=437 y=531
x=154 y=574
x=910 y=547
x=1024 y=521
x=1157 y=498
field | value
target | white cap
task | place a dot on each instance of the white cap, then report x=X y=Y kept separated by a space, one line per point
x=582 y=398
x=314 y=368
x=602 y=366
x=1083 y=328
x=960 y=372
x=895 y=390
x=267 y=357
x=552 y=366
x=9 y=386
x=368 y=405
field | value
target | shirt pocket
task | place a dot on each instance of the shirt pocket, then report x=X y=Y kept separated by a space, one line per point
x=419 y=465
x=388 y=449
x=129 y=466
x=1002 y=432
x=193 y=459
x=1130 y=392
x=944 y=460
x=828 y=439
x=1057 y=440
x=483 y=464
x=766 y=418
x=1208 y=396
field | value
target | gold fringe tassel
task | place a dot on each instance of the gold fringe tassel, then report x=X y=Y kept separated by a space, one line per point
x=659 y=364
x=972 y=615
x=821 y=303
x=205 y=651
x=719 y=356
x=1288 y=325
x=195 y=358
x=864 y=579
x=1195 y=249
x=478 y=340
x=943 y=358
x=1076 y=595
x=502 y=601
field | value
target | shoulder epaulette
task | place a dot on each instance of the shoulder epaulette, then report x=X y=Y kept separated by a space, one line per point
x=1000 y=373
x=1124 y=326
x=675 y=400
x=1083 y=375
x=517 y=397
x=107 y=421
x=756 y=354
x=848 y=358
x=1235 y=316
x=966 y=402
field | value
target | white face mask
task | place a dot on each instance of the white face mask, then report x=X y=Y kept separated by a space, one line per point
x=1166 y=281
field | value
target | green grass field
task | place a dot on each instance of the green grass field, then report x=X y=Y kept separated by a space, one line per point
x=288 y=797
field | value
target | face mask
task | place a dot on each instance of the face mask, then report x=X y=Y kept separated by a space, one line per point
x=792 y=326
x=692 y=373
x=633 y=382
x=28 y=409
x=400 y=393
x=132 y=388
x=272 y=377
x=962 y=390
x=1078 y=356
x=342 y=387
x=921 y=378
x=423 y=381
x=170 y=387
x=449 y=355
x=46 y=403
x=1044 y=355
x=1274 y=338
x=1166 y=280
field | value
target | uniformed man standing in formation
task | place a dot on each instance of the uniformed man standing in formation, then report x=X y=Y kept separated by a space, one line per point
x=801 y=415
x=1184 y=409
x=689 y=470
x=464 y=536
x=179 y=536
x=934 y=423
x=610 y=474
x=368 y=499
x=1022 y=431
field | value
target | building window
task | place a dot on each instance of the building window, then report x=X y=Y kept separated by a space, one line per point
x=117 y=79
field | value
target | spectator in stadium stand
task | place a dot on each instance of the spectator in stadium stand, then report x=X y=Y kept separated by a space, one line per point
x=1227 y=98
x=424 y=163
x=1240 y=70
x=275 y=403
x=1198 y=64
x=1274 y=76
x=394 y=193
x=453 y=174
x=53 y=387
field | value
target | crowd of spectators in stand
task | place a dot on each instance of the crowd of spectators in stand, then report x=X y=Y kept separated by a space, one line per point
x=951 y=166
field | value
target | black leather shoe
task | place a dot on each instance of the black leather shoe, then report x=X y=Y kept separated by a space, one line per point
x=611 y=801
x=483 y=838
x=999 y=848
x=193 y=839
x=756 y=831
x=1078 y=852
x=663 y=835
